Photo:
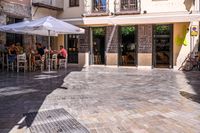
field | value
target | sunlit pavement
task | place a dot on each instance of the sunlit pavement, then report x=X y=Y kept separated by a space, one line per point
x=106 y=100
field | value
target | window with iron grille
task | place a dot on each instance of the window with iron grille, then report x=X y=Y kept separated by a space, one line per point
x=73 y=3
x=129 y=5
x=99 y=5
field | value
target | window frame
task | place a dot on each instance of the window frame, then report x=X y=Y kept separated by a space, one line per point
x=75 y=4
x=129 y=8
x=96 y=8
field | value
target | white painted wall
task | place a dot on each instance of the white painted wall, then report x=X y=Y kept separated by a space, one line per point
x=151 y=6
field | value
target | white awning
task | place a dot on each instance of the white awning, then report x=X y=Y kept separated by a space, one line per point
x=137 y=19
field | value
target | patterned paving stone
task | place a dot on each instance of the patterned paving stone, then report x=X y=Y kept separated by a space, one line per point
x=105 y=100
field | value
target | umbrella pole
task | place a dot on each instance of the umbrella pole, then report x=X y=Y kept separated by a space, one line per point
x=49 y=62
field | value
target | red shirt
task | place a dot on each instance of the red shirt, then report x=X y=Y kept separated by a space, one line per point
x=63 y=52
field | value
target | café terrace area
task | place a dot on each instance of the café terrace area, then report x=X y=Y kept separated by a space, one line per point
x=16 y=56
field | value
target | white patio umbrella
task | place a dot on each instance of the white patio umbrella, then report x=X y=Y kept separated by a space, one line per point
x=47 y=26
x=11 y=27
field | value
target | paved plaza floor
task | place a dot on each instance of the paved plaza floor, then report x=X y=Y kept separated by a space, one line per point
x=105 y=100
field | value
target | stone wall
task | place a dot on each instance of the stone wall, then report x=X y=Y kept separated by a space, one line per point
x=16 y=10
x=2 y=22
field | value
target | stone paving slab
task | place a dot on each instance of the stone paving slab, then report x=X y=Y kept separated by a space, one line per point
x=105 y=100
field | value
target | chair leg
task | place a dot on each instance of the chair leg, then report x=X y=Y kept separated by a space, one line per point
x=12 y=66
x=17 y=67
x=65 y=65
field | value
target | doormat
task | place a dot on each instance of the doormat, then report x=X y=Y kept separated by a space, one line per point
x=53 y=121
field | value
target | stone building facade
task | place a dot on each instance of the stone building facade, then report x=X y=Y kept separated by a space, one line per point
x=15 y=10
x=160 y=30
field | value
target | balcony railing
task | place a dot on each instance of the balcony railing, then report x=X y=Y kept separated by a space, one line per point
x=51 y=4
x=127 y=7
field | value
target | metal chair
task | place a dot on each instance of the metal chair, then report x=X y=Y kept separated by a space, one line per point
x=21 y=62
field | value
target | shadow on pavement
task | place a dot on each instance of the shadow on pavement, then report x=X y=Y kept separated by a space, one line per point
x=193 y=78
x=25 y=92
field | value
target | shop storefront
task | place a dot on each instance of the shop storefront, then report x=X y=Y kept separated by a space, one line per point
x=127 y=53
x=163 y=46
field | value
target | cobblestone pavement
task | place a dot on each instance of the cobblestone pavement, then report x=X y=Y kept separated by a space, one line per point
x=106 y=100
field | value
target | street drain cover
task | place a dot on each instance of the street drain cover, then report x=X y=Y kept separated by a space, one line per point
x=53 y=121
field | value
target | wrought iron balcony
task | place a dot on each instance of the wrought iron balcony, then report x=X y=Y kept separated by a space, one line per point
x=127 y=7
x=50 y=4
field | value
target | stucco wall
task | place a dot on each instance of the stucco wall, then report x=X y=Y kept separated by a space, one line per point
x=72 y=12
x=152 y=6
x=38 y=12
x=181 y=51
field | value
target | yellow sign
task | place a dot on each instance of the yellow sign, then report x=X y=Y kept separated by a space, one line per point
x=194 y=30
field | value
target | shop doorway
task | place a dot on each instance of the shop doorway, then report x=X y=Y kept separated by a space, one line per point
x=127 y=54
x=73 y=49
x=98 y=45
x=162 y=46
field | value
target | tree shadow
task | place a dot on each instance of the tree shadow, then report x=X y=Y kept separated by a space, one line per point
x=22 y=93
x=193 y=78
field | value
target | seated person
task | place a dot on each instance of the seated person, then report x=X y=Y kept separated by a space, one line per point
x=62 y=53
x=12 y=52
x=20 y=48
x=40 y=51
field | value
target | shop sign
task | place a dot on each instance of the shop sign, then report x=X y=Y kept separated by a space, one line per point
x=194 y=30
